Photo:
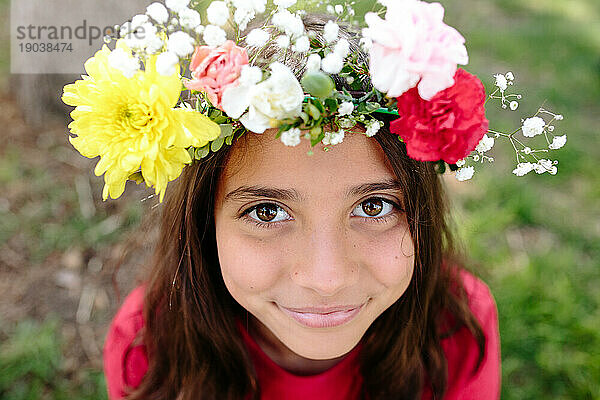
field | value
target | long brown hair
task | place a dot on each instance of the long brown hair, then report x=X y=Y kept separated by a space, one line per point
x=194 y=347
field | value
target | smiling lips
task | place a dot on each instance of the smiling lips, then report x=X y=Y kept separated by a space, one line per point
x=314 y=317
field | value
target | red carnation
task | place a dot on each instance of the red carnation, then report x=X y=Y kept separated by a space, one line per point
x=449 y=126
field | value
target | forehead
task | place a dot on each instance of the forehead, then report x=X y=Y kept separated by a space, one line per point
x=262 y=159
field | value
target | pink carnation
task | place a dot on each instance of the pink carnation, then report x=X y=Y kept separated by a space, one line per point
x=413 y=47
x=216 y=69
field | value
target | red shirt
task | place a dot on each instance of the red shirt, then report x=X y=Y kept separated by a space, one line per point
x=125 y=362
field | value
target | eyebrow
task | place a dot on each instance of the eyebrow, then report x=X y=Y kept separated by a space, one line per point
x=250 y=192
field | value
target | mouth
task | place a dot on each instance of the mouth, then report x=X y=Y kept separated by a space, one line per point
x=323 y=317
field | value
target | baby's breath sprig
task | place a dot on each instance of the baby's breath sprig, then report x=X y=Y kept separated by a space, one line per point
x=527 y=158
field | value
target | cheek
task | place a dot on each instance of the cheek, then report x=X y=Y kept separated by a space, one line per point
x=248 y=265
x=390 y=257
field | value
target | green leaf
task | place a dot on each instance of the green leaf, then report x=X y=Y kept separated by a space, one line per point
x=216 y=144
x=228 y=140
x=305 y=117
x=226 y=130
x=332 y=105
x=202 y=152
x=313 y=111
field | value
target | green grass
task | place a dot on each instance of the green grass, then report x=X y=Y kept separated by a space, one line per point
x=31 y=366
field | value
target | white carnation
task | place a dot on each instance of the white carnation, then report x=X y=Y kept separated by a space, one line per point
x=123 y=61
x=331 y=31
x=189 y=19
x=464 y=173
x=257 y=37
x=277 y=98
x=291 y=137
x=332 y=63
x=533 y=126
x=523 y=169
x=250 y=75
x=158 y=12
x=302 y=44
x=214 y=35
x=217 y=13
x=485 y=144
x=558 y=142
x=181 y=44
x=346 y=108
x=313 y=63
x=166 y=63
x=342 y=48
x=177 y=5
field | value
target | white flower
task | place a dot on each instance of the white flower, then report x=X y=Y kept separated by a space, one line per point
x=558 y=117
x=284 y=3
x=485 y=144
x=217 y=13
x=158 y=12
x=501 y=82
x=166 y=63
x=287 y=22
x=339 y=8
x=181 y=44
x=373 y=127
x=243 y=16
x=214 y=35
x=460 y=163
x=333 y=138
x=250 y=75
x=523 y=169
x=414 y=43
x=342 y=48
x=140 y=36
x=283 y=41
x=302 y=44
x=545 y=166
x=257 y=37
x=558 y=142
x=330 y=9
x=189 y=19
x=331 y=31
x=154 y=44
x=291 y=137
x=509 y=75
x=351 y=11
x=346 y=108
x=313 y=63
x=177 y=5
x=514 y=105
x=533 y=126
x=199 y=30
x=464 y=173
x=332 y=63
x=346 y=123
x=138 y=21
x=277 y=98
x=124 y=61
x=366 y=44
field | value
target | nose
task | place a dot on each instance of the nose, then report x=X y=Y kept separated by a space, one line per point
x=328 y=266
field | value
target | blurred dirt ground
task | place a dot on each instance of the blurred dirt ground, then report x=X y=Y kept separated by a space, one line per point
x=64 y=254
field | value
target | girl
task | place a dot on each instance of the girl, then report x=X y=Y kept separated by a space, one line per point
x=281 y=274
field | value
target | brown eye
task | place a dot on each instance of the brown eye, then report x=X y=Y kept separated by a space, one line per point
x=372 y=207
x=266 y=212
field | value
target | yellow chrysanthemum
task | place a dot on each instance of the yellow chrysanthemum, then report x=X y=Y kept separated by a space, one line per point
x=131 y=123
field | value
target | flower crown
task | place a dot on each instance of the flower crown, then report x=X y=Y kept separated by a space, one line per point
x=144 y=129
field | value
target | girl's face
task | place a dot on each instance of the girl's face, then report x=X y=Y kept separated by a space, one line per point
x=315 y=247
